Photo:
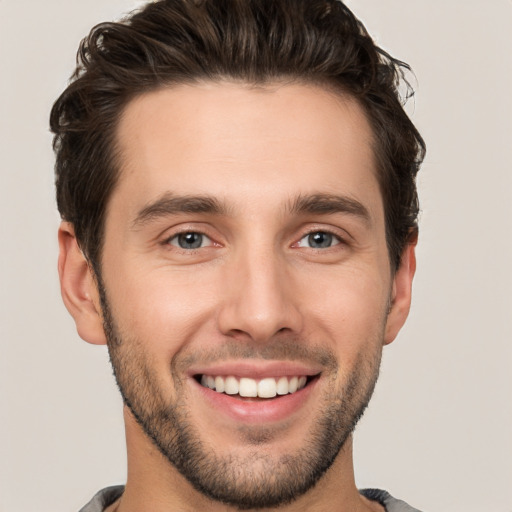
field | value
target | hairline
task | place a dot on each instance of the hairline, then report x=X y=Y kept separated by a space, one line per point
x=337 y=90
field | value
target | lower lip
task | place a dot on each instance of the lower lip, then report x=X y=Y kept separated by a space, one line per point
x=257 y=411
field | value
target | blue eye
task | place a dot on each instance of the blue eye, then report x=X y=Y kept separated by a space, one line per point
x=190 y=240
x=319 y=240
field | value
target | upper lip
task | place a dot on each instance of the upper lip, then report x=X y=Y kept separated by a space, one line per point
x=256 y=369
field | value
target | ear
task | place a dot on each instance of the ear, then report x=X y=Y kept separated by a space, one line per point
x=79 y=288
x=401 y=292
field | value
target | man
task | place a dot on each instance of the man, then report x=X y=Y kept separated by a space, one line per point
x=236 y=180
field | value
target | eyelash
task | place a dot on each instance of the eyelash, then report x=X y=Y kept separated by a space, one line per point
x=336 y=240
x=168 y=240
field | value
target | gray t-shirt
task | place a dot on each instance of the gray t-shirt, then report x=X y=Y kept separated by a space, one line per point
x=107 y=496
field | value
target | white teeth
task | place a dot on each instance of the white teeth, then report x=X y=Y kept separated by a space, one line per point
x=282 y=386
x=208 y=382
x=246 y=387
x=293 y=385
x=219 y=384
x=231 y=386
x=267 y=388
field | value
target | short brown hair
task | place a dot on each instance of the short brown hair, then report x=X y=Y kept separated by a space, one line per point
x=256 y=41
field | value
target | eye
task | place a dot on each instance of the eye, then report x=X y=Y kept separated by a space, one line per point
x=190 y=240
x=319 y=240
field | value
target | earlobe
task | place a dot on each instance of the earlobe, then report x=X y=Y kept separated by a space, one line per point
x=78 y=287
x=401 y=292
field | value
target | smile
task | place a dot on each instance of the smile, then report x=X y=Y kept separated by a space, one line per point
x=256 y=392
x=251 y=388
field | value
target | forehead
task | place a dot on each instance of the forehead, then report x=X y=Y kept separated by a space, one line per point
x=245 y=144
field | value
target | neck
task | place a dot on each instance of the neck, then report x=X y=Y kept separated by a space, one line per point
x=154 y=484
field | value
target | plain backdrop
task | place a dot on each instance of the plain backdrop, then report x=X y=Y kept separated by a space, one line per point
x=439 y=430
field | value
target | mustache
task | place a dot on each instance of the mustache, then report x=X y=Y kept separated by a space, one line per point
x=283 y=349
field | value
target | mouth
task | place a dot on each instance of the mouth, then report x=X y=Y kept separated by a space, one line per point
x=249 y=388
x=256 y=392
x=261 y=393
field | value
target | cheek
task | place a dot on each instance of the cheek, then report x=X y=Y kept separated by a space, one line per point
x=351 y=307
x=164 y=309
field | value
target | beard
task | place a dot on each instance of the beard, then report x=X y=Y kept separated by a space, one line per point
x=259 y=478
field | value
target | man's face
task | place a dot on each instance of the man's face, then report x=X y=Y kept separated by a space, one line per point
x=245 y=250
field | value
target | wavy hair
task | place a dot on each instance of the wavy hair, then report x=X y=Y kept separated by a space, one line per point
x=172 y=42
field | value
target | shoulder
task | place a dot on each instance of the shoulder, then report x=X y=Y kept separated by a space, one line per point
x=103 y=499
x=384 y=498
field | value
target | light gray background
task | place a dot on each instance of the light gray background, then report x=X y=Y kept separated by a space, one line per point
x=438 y=432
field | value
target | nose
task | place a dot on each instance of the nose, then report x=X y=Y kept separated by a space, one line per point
x=260 y=299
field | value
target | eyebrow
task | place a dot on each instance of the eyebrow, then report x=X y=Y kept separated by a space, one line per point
x=316 y=204
x=326 y=204
x=170 y=204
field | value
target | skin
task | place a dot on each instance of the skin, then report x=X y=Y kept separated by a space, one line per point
x=255 y=282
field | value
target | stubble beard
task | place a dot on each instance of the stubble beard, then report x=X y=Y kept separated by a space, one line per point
x=256 y=480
